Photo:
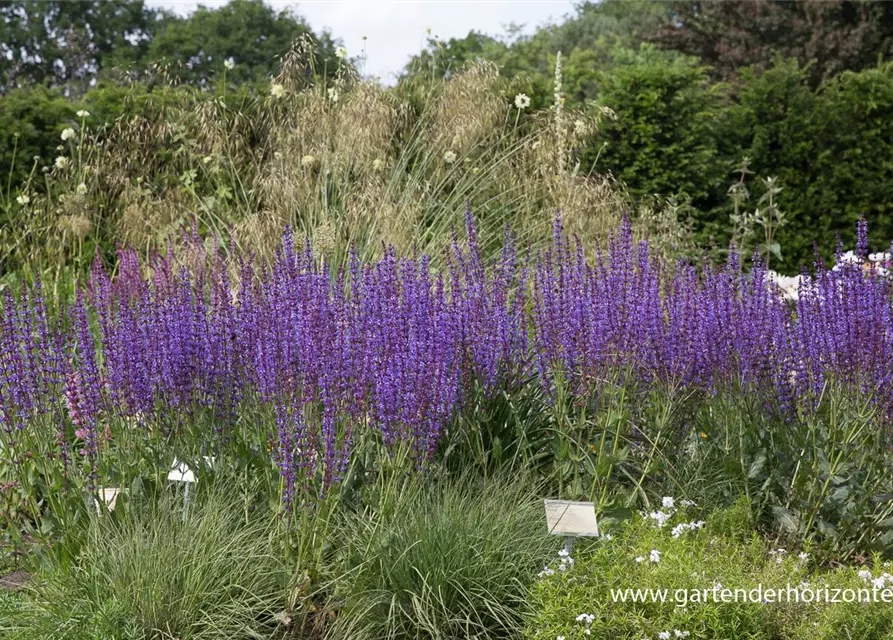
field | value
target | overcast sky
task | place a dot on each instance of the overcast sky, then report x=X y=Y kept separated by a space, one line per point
x=395 y=29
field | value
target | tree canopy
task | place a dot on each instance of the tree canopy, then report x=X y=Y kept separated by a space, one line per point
x=72 y=43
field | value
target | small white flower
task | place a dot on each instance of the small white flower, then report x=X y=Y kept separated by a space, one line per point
x=83 y=113
x=81 y=189
x=660 y=518
x=587 y=632
x=277 y=90
x=585 y=617
x=61 y=162
x=664 y=635
x=560 y=638
x=655 y=555
x=229 y=64
x=68 y=133
x=522 y=101
x=687 y=503
x=334 y=96
x=340 y=53
x=640 y=559
x=547 y=571
x=803 y=556
x=607 y=537
x=878 y=583
x=449 y=157
x=668 y=503
x=864 y=574
x=23 y=199
x=681 y=634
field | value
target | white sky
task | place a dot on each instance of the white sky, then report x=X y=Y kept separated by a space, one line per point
x=395 y=29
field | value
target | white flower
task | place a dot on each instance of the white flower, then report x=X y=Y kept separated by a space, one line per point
x=660 y=518
x=585 y=617
x=308 y=161
x=449 y=157
x=340 y=53
x=865 y=574
x=334 y=96
x=803 y=556
x=23 y=199
x=664 y=635
x=547 y=571
x=681 y=634
x=560 y=638
x=277 y=90
x=229 y=64
x=668 y=503
x=687 y=503
x=655 y=555
x=878 y=583
x=82 y=189
x=61 y=162
x=640 y=559
x=522 y=101
x=83 y=113
x=607 y=537
x=68 y=134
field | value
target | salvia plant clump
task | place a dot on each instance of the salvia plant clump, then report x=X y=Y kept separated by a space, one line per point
x=388 y=351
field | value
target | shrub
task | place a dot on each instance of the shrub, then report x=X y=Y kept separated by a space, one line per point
x=664 y=140
x=829 y=148
x=720 y=553
x=453 y=559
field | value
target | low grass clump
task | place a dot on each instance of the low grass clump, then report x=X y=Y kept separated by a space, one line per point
x=162 y=571
x=452 y=559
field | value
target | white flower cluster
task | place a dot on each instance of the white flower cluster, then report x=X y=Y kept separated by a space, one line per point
x=586 y=619
x=882 y=581
x=565 y=563
x=682 y=527
x=788 y=285
x=668 y=509
x=666 y=635
x=879 y=262
x=778 y=554
x=660 y=518
x=654 y=557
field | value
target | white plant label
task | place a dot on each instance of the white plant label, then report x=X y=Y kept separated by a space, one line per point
x=568 y=518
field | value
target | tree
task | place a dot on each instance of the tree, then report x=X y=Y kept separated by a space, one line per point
x=67 y=43
x=248 y=32
x=832 y=35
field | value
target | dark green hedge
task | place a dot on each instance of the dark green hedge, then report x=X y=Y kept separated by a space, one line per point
x=831 y=148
